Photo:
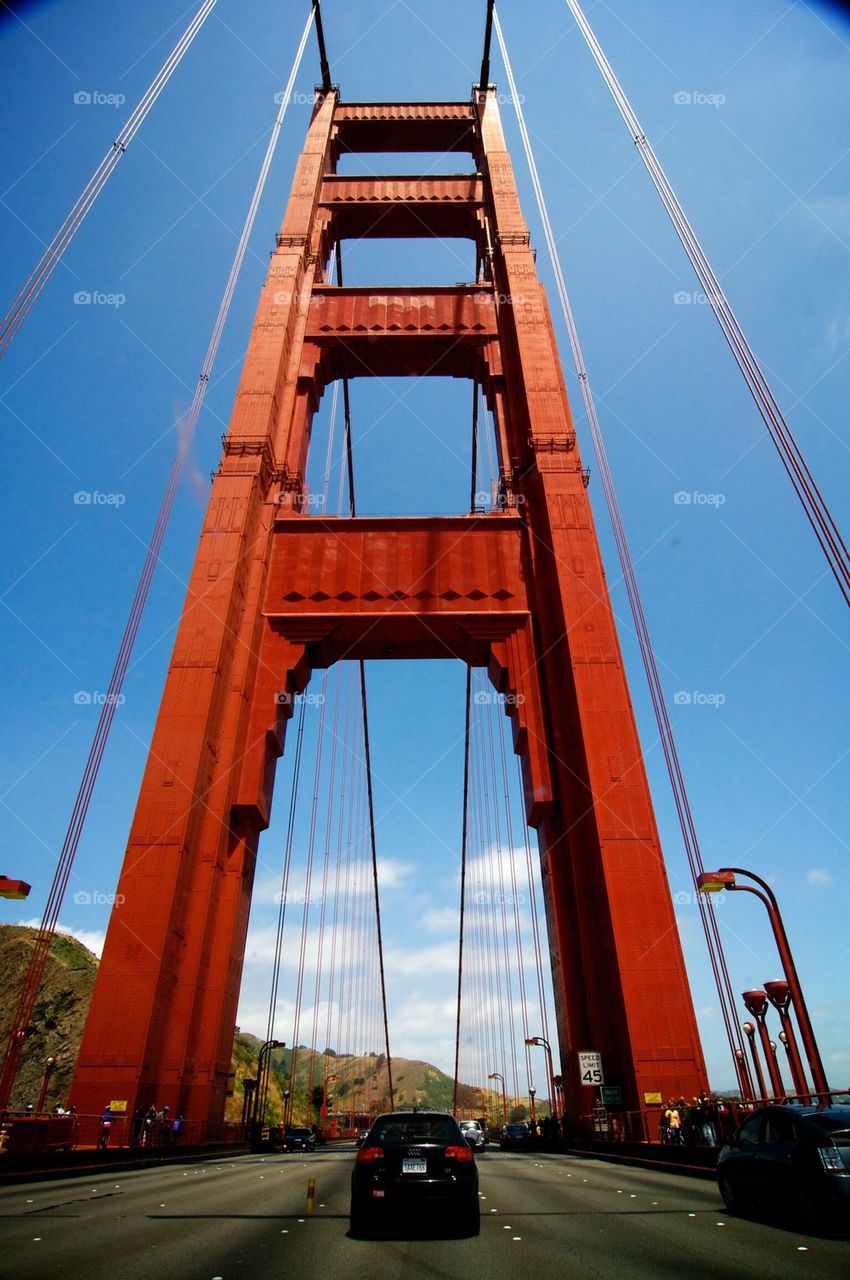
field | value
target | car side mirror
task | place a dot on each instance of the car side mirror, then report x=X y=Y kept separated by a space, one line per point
x=470 y=1141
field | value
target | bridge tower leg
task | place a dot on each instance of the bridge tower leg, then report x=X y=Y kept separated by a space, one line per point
x=276 y=592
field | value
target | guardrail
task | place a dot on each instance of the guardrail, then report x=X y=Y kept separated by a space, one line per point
x=26 y=1133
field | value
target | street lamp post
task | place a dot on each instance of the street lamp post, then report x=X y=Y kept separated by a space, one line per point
x=541 y=1040
x=262 y=1088
x=756 y=1002
x=324 y=1111
x=713 y=882
x=779 y=996
x=495 y=1075
x=49 y=1067
x=750 y=1032
x=744 y=1075
x=531 y=1093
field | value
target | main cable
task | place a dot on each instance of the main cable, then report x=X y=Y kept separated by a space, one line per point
x=814 y=505
x=42 y=271
x=665 y=729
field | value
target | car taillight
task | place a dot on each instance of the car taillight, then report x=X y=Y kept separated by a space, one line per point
x=458 y=1153
x=830 y=1158
x=367 y=1154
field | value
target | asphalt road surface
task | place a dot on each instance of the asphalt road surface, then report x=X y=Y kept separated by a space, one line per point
x=542 y=1216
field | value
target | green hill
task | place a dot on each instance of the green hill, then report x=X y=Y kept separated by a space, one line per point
x=60 y=1013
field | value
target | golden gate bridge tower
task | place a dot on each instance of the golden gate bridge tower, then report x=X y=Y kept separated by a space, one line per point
x=278 y=592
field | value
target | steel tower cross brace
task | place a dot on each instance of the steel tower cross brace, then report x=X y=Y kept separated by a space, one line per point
x=277 y=593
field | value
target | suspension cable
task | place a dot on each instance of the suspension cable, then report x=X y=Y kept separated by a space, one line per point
x=463 y=840
x=41 y=948
x=352 y=511
x=683 y=809
x=814 y=505
x=41 y=272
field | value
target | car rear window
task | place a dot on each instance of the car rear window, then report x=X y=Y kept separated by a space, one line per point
x=417 y=1129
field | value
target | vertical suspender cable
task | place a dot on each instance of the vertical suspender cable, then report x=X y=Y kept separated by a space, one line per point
x=817 y=512
x=35 y=972
x=42 y=271
x=463 y=837
x=352 y=511
x=689 y=835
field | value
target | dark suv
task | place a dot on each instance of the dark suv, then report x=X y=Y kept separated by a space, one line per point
x=791 y=1159
x=414 y=1160
x=298 y=1139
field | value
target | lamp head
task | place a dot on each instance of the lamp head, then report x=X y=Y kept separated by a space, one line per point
x=715 y=881
x=778 y=994
x=756 y=1002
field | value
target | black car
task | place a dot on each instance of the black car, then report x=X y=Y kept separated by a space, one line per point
x=295 y=1139
x=515 y=1137
x=417 y=1160
x=792 y=1159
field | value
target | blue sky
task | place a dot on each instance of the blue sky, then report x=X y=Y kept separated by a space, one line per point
x=743 y=614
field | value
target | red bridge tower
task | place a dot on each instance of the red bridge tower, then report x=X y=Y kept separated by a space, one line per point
x=277 y=592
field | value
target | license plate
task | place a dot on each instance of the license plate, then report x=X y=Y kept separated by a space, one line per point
x=414 y=1166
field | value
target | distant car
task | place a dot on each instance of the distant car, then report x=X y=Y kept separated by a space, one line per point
x=514 y=1137
x=295 y=1139
x=474 y=1134
x=414 y=1160
x=791 y=1159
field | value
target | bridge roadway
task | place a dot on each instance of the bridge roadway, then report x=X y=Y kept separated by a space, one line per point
x=542 y=1216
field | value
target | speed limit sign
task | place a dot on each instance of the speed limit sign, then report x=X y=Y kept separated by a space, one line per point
x=590 y=1068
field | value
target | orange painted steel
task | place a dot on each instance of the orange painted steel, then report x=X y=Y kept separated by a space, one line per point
x=277 y=593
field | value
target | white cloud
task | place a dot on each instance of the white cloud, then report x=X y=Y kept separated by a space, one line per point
x=91 y=938
x=441 y=920
x=818 y=876
x=423 y=961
